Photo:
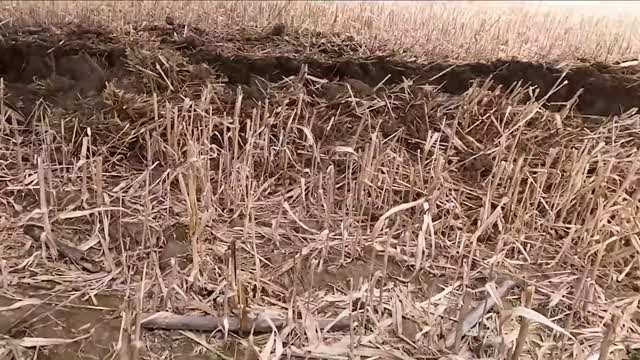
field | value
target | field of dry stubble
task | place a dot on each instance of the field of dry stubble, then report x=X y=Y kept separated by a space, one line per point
x=216 y=184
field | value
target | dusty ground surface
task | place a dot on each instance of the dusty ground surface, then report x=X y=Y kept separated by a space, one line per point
x=142 y=151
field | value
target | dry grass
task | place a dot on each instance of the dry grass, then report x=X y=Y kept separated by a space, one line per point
x=425 y=224
x=468 y=31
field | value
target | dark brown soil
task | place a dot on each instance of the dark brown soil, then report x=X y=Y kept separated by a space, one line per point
x=100 y=320
x=88 y=57
x=605 y=93
x=71 y=66
x=75 y=62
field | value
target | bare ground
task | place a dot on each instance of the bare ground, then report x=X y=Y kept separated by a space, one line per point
x=214 y=172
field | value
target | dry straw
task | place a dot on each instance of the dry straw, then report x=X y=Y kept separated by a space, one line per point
x=463 y=30
x=403 y=224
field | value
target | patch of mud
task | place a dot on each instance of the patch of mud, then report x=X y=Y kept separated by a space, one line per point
x=68 y=322
x=100 y=320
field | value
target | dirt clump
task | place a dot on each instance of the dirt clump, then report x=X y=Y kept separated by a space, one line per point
x=189 y=42
x=278 y=29
x=359 y=88
x=22 y=99
x=84 y=71
x=59 y=84
x=334 y=91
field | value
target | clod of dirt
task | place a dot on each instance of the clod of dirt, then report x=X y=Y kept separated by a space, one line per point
x=58 y=84
x=258 y=83
x=359 y=88
x=201 y=72
x=253 y=93
x=278 y=29
x=189 y=42
x=337 y=91
x=22 y=99
x=115 y=57
x=81 y=68
x=170 y=20
x=36 y=67
x=332 y=91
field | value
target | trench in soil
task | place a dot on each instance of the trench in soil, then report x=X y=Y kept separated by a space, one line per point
x=83 y=64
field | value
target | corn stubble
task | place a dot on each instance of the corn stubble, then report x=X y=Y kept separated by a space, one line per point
x=488 y=227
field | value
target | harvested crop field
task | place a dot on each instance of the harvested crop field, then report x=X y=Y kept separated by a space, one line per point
x=174 y=192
